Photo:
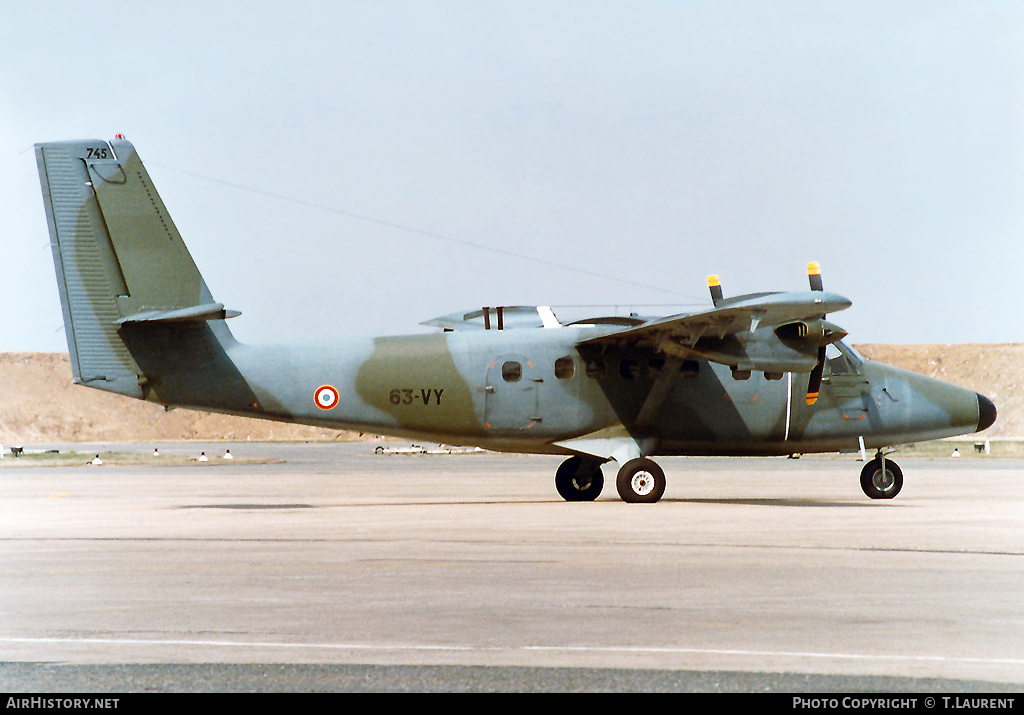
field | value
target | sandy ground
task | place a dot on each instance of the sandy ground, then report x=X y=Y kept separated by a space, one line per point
x=40 y=404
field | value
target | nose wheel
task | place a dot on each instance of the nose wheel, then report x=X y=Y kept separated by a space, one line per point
x=881 y=478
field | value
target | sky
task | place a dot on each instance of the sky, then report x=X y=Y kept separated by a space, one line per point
x=345 y=169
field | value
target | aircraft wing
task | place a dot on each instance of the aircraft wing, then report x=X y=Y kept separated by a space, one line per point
x=734 y=315
x=773 y=332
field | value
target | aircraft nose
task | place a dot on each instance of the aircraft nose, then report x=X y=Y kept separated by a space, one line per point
x=986 y=413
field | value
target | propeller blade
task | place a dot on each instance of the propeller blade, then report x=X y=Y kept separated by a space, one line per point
x=814 y=276
x=715 y=286
x=814 y=382
x=831 y=333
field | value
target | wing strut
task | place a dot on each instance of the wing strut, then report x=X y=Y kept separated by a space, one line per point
x=617 y=442
x=659 y=390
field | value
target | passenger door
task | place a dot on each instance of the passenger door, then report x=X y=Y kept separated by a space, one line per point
x=512 y=394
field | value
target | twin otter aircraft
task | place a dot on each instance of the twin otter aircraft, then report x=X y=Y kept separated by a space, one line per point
x=760 y=374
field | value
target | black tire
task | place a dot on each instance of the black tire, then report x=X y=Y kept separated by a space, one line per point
x=579 y=481
x=881 y=483
x=640 y=481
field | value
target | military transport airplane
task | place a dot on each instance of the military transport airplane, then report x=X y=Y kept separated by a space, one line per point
x=759 y=374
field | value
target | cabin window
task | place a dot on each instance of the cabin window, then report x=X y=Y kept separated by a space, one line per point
x=565 y=368
x=595 y=368
x=511 y=371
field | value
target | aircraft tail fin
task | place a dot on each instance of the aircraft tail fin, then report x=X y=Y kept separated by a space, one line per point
x=121 y=264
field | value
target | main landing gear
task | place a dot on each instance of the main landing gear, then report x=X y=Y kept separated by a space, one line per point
x=639 y=481
x=578 y=479
x=881 y=478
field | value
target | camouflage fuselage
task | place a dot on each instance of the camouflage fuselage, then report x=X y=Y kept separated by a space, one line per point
x=501 y=390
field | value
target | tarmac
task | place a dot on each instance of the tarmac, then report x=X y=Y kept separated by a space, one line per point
x=330 y=567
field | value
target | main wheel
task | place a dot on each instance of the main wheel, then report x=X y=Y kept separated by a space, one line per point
x=579 y=481
x=881 y=479
x=640 y=481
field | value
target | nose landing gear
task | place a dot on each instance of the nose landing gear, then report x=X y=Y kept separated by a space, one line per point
x=881 y=478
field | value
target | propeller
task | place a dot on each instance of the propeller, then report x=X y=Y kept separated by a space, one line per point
x=814 y=382
x=820 y=331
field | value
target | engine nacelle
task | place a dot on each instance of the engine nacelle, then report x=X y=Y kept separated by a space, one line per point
x=814 y=332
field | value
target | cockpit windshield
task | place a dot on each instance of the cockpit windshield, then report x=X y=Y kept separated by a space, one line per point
x=842 y=359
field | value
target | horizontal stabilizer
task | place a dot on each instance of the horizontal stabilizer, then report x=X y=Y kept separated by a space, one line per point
x=197 y=313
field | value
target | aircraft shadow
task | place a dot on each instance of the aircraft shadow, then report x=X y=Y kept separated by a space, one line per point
x=737 y=501
x=248 y=506
x=740 y=501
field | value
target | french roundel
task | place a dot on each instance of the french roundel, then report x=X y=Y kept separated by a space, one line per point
x=326 y=397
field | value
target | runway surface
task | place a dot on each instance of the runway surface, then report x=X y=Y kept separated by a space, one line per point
x=327 y=566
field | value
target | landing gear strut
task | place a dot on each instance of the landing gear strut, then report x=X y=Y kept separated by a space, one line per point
x=579 y=480
x=881 y=478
